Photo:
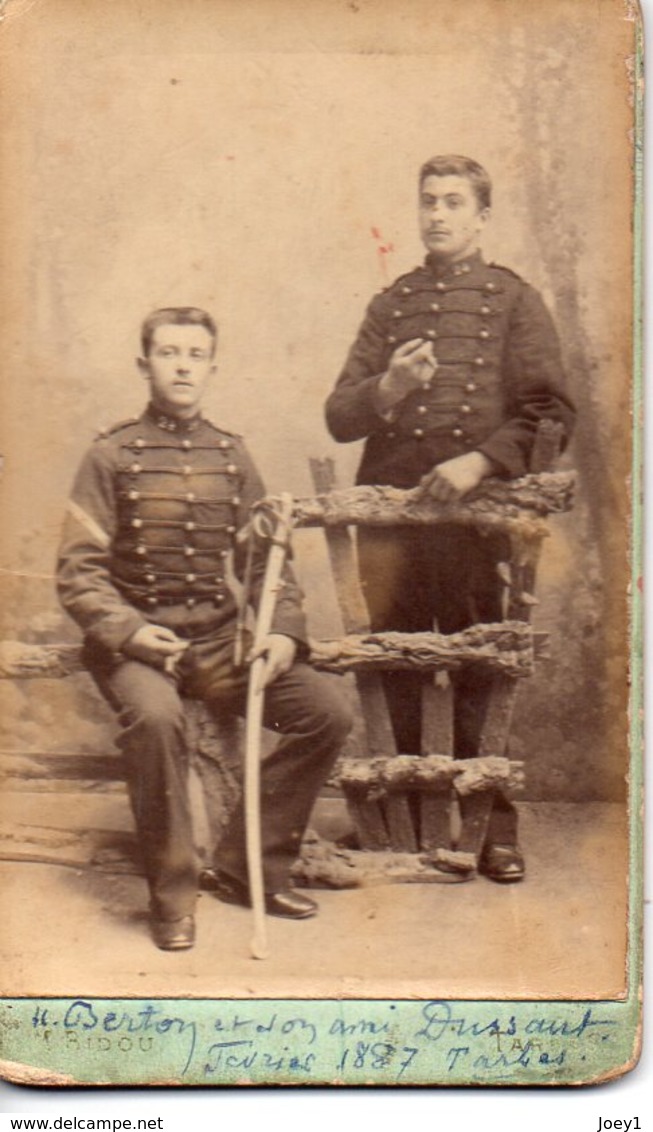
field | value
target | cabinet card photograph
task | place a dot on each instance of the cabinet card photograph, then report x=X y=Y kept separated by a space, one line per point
x=320 y=650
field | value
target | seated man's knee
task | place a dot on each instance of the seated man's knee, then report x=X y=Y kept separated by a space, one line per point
x=156 y=716
x=336 y=716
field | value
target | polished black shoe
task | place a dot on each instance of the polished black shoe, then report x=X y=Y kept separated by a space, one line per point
x=502 y=863
x=210 y=880
x=173 y=935
x=225 y=887
x=288 y=903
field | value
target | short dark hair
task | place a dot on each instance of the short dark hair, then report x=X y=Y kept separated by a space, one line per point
x=452 y=165
x=177 y=316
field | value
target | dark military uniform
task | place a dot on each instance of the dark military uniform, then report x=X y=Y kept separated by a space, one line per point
x=499 y=372
x=149 y=537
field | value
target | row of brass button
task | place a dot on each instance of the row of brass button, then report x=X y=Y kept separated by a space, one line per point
x=483 y=334
x=188 y=526
x=440 y=285
x=189 y=602
x=185 y=444
x=185 y=470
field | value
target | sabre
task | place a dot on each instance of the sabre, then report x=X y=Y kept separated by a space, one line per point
x=279 y=538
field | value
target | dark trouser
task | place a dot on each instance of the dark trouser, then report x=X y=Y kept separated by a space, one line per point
x=413 y=578
x=302 y=705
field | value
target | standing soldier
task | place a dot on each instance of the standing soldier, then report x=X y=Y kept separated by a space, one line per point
x=151 y=524
x=453 y=368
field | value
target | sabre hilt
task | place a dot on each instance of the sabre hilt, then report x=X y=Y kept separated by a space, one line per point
x=271 y=522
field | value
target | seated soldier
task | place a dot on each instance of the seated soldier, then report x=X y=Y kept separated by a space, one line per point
x=151 y=522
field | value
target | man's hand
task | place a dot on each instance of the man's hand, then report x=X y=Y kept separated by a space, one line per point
x=412 y=366
x=454 y=478
x=154 y=645
x=279 y=652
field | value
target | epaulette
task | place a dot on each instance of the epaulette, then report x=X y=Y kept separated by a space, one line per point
x=508 y=270
x=102 y=433
x=406 y=275
x=224 y=431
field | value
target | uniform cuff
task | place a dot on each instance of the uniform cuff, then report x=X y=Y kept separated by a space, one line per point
x=114 y=633
x=290 y=624
x=508 y=462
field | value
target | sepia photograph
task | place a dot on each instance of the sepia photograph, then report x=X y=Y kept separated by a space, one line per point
x=320 y=647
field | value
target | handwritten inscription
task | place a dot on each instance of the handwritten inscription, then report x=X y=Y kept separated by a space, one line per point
x=304 y=1041
x=516 y=1045
x=244 y=1056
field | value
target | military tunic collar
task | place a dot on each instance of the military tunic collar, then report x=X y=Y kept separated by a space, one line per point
x=172 y=424
x=453 y=270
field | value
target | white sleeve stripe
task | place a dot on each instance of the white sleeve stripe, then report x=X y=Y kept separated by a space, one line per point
x=93 y=528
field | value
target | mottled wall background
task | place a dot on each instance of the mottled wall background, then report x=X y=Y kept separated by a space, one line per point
x=238 y=155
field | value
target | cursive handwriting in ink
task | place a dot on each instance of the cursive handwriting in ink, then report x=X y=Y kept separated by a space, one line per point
x=440 y=1021
x=560 y=1028
x=298 y=1027
x=241 y=1055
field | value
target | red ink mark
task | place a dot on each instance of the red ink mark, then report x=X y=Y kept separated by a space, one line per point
x=640 y=584
x=229 y=157
x=383 y=249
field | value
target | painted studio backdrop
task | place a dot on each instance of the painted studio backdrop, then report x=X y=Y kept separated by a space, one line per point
x=260 y=160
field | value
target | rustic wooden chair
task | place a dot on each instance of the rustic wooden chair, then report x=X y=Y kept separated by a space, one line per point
x=380 y=788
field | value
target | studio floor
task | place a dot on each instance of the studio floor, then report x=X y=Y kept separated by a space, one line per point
x=561 y=933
